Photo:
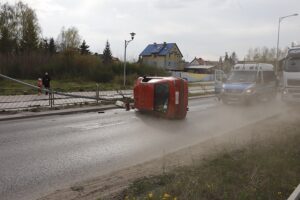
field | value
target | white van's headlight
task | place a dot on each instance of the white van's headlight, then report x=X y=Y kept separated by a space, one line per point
x=223 y=88
x=250 y=90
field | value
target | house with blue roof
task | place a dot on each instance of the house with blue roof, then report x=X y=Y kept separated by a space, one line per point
x=165 y=55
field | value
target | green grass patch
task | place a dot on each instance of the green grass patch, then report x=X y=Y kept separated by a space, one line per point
x=13 y=88
x=267 y=170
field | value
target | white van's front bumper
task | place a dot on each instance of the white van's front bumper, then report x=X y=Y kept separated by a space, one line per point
x=291 y=94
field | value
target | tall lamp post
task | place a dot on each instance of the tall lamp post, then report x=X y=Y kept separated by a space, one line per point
x=126 y=44
x=277 y=49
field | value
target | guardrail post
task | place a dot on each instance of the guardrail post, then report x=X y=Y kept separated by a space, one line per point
x=97 y=93
x=50 y=99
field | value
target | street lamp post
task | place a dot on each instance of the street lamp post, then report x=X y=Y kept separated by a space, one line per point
x=277 y=49
x=125 y=47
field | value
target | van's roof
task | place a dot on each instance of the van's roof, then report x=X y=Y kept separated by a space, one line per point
x=294 y=52
x=253 y=67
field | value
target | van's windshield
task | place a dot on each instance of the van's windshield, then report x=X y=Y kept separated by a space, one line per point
x=242 y=76
x=292 y=65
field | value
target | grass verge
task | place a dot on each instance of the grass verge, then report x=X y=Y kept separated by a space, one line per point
x=14 y=88
x=269 y=169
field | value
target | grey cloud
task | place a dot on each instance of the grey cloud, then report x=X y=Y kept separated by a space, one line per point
x=208 y=27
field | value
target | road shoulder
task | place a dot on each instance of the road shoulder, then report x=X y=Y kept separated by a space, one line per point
x=110 y=186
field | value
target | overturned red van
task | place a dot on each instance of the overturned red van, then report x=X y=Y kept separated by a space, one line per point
x=164 y=96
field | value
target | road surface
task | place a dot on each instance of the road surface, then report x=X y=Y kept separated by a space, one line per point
x=38 y=156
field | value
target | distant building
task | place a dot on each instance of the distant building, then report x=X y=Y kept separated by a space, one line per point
x=201 y=66
x=165 y=55
x=200 y=61
x=197 y=61
x=200 y=69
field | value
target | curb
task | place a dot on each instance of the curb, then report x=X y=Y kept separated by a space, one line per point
x=78 y=110
x=296 y=194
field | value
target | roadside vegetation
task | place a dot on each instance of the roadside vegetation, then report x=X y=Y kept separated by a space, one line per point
x=26 y=55
x=269 y=169
x=13 y=88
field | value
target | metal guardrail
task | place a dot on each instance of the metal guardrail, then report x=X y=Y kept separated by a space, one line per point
x=56 y=98
x=296 y=194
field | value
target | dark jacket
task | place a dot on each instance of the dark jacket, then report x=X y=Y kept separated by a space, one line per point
x=46 y=81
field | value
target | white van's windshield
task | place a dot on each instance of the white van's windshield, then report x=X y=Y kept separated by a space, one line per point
x=292 y=65
x=242 y=76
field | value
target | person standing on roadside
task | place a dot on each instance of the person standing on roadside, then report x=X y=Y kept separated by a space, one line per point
x=46 y=82
x=40 y=85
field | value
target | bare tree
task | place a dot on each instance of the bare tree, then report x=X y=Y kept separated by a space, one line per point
x=265 y=54
x=19 y=28
x=69 y=39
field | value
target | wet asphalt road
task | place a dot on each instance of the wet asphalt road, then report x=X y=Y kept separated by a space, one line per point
x=38 y=156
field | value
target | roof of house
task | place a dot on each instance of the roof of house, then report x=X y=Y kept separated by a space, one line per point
x=199 y=67
x=159 y=49
x=199 y=60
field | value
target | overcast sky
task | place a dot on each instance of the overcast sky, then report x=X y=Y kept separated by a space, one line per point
x=201 y=28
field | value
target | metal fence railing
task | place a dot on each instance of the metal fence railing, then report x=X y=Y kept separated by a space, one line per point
x=29 y=97
x=32 y=98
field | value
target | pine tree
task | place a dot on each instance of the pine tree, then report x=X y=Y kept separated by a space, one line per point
x=220 y=63
x=107 y=57
x=84 y=49
x=52 y=47
x=227 y=64
x=6 y=43
x=234 y=58
x=226 y=57
x=30 y=28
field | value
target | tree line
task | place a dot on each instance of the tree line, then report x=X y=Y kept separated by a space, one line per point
x=25 y=54
x=258 y=54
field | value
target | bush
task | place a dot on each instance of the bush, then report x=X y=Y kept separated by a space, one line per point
x=72 y=67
